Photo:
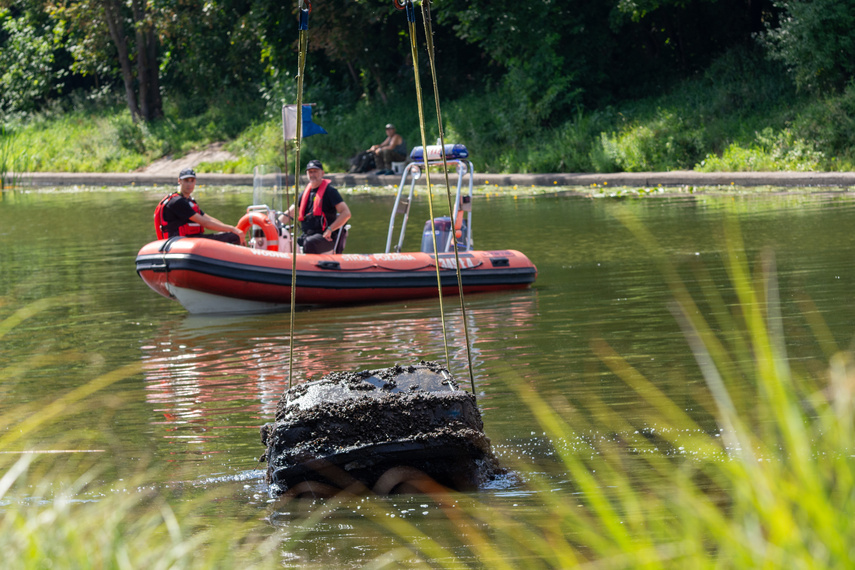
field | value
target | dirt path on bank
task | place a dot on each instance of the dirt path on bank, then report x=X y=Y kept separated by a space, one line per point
x=172 y=166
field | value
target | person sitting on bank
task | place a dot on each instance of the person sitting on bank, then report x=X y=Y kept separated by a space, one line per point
x=179 y=215
x=393 y=149
x=322 y=214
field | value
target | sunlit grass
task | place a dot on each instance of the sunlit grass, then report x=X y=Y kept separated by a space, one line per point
x=14 y=158
x=769 y=151
x=770 y=487
x=105 y=139
x=82 y=524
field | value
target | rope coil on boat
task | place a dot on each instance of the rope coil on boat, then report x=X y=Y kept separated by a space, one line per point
x=406 y=270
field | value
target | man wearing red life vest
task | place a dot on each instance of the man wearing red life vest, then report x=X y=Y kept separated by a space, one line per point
x=180 y=215
x=322 y=212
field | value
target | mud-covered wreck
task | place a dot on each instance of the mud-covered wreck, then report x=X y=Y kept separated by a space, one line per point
x=398 y=429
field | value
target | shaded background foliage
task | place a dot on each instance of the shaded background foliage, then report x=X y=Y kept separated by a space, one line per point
x=552 y=54
x=515 y=71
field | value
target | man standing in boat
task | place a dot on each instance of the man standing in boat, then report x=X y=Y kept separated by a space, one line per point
x=179 y=215
x=322 y=212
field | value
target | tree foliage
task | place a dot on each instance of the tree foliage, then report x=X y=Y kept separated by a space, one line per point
x=543 y=58
x=132 y=29
x=28 y=60
x=574 y=52
x=352 y=35
x=816 y=40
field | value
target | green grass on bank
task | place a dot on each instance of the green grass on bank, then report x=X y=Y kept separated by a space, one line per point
x=742 y=114
x=13 y=158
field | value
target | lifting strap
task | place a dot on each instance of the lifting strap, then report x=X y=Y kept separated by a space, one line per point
x=305 y=7
x=432 y=59
x=411 y=20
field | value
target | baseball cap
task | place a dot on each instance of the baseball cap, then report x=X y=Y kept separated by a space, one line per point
x=390 y=126
x=314 y=164
x=187 y=173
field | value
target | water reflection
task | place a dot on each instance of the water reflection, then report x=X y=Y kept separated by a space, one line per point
x=200 y=372
x=209 y=382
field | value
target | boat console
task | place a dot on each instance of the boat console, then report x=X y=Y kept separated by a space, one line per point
x=456 y=156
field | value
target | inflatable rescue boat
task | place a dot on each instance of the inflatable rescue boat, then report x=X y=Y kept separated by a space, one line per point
x=207 y=276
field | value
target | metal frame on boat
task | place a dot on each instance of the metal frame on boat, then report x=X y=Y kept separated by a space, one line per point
x=457 y=156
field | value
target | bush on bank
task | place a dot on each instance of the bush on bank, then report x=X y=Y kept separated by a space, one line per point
x=742 y=114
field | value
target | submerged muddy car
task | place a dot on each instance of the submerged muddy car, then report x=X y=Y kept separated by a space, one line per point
x=392 y=430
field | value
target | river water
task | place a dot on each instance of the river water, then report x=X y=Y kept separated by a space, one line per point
x=205 y=384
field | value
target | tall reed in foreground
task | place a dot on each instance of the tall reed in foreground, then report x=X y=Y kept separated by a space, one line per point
x=130 y=529
x=57 y=510
x=772 y=486
x=13 y=160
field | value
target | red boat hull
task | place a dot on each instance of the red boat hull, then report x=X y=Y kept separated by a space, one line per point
x=210 y=276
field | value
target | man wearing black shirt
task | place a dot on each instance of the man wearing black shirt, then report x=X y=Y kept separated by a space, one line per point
x=322 y=212
x=182 y=215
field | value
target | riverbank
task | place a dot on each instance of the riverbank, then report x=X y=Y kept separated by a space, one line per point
x=679 y=178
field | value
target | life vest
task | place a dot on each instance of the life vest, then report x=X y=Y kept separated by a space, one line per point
x=317 y=207
x=160 y=225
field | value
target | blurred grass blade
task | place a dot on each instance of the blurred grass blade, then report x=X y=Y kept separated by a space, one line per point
x=58 y=407
x=26 y=312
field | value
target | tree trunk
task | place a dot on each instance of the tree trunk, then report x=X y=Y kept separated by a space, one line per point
x=380 y=89
x=147 y=72
x=154 y=75
x=112 y=14
x=353 y=74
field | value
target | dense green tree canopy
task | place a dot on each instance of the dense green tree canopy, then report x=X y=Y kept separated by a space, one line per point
x=816 y=40
x=29 y=70
x=550 y=55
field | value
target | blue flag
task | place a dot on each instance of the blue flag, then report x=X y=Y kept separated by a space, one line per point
x=310 y=128
x=289 y=122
